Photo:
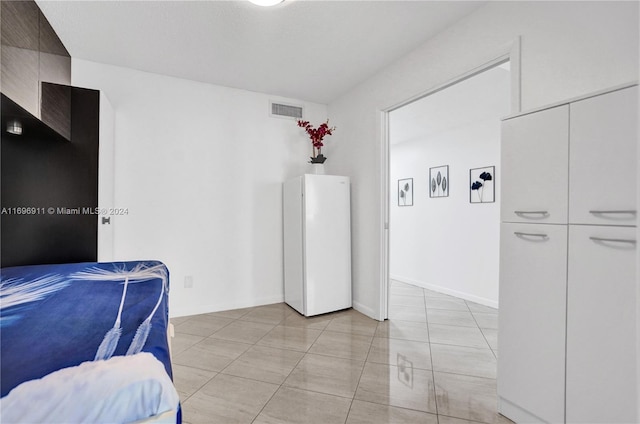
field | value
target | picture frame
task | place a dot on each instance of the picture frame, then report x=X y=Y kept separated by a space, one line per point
x=405 y=192
x=482 y=185
x=439 y=181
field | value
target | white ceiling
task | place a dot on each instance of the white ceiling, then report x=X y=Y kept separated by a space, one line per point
x=307 y=50
x=483 y=97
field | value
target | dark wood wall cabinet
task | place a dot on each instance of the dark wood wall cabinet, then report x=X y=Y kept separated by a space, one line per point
x=32 y=56
x=49 y=167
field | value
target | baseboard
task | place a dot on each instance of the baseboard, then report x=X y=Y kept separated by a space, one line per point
x=226 y=306
x=444 y=290
x=515 y=413
x=364 y=310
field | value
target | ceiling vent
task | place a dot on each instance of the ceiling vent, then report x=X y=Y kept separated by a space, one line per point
x=282 y=110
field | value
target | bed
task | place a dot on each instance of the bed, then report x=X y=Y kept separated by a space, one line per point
x=86 y=343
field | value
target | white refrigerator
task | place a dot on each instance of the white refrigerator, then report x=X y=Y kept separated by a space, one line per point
x=317 y=243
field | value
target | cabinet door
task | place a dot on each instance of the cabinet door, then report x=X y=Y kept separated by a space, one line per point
x=531 y=333
x=603 y=160
x=535 y=155
x=601 y=319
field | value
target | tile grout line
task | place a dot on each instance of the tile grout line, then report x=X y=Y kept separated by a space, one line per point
x=433 y=373
x=360 y=378
x=481 y=332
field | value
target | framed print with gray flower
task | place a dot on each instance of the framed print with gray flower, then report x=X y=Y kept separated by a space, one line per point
x=439 y=181
x=482 y=183
x=405 y=192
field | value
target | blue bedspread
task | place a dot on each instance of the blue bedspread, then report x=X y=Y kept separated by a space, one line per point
x=59 y=316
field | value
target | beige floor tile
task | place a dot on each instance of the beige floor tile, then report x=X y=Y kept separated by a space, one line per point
x=295 y=406
x=398 y=352
x=373 y=413
x=463 y=360
x=450 y=420
x=446 y=317
x=232 y=313
x=188 y=380
x=228 y=399
x=402 y=300
x=342 y=345
x=293 y=338
x=476 y=307
x=179 y=320
x=459 y=336
x=484 y=320
x=211 y=354
x=433 y=293
x=451 y=304
x=492 y=338
x=469 y=398
x=265 y=364
x=353 y=324
x=319 y=322
x=181 y=342
x=405 y=330
x=202 y=325
x=324 y=374
x=243 y=331
x=407 y=313
x=405 y=291
x=269 y=314
x=404 y=387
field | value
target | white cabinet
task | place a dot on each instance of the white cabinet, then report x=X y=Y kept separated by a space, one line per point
x=603 y=161
x=317 y=243
x=601 y=309
x=534 y=157
x=533 y=270
x=568 y=300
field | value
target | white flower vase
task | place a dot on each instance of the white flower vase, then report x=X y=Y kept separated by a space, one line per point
x=317 y=168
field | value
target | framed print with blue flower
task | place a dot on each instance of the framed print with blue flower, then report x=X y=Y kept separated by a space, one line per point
x=482 y=183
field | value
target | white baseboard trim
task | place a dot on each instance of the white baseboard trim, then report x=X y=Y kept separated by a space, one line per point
x=217 y=307
x=364 y=310
x=516 y=414
x=466 y=296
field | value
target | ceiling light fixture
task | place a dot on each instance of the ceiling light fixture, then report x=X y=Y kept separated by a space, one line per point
x=14 y=127
x=266 y=2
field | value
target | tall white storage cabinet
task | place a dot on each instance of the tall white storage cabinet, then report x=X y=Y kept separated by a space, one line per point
x=568 y=262
x=317 y=243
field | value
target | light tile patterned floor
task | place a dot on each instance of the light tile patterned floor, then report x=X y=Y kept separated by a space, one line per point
x=433 y=361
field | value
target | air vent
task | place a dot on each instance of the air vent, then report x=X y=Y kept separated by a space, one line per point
x=286 y=111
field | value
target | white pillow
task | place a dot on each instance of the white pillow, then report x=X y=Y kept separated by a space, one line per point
x=121 y=389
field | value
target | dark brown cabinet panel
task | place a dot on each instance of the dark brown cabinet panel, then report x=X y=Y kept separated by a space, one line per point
x=32 y=53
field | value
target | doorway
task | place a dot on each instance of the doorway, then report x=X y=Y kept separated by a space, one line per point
x=444 y=191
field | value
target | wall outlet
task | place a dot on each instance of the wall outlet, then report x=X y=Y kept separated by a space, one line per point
x=188 y=282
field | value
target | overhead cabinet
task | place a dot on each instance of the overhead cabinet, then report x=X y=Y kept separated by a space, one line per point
x=535 y=152
x=603 y=160
x=568 y=258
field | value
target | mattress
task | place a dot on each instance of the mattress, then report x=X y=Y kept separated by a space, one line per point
x=85 y=343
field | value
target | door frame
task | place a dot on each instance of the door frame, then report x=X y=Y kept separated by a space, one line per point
x=510 y=52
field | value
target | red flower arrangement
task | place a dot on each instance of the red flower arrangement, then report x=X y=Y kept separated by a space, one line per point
x=317 y=135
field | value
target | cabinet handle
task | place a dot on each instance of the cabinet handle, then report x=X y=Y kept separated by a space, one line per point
x=520 y=234
x=531 y=212
x=613 y=240
x=631 y=212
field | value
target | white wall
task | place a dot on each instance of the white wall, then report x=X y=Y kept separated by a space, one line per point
x=200 y=168
x=568 y=49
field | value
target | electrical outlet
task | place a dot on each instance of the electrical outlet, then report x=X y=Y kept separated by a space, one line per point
x=188 y=282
